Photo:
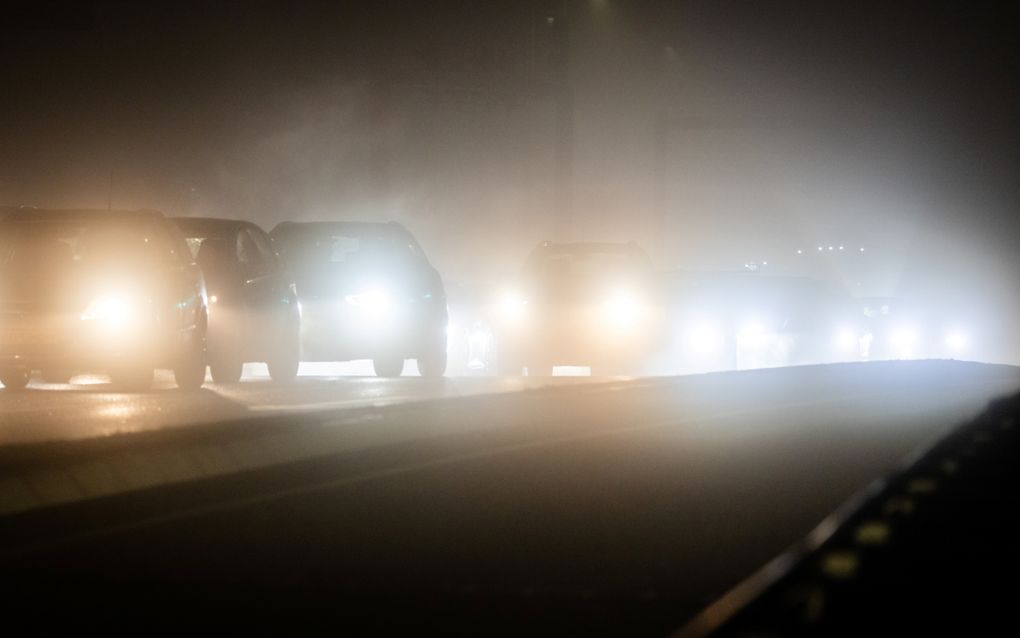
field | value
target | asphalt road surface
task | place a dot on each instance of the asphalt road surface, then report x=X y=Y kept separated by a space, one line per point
x=623 y=506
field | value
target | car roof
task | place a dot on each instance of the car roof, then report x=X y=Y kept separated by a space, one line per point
x=27 y=214
x=211 y=225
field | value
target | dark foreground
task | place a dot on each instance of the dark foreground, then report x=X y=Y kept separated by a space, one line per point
x=618 y=508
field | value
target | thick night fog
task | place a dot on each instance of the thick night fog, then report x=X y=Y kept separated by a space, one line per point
x=711 y=133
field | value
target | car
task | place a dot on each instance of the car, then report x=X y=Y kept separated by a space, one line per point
x=99 y=290
x=367 y=291
x=253 y=310
x=585 y=304
x=741 y=320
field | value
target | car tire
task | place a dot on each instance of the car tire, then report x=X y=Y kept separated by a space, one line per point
x=56 y=375
x=432 y=363
x=388 y=366
x=132 y=379
x=225 y=368
x=15 y=379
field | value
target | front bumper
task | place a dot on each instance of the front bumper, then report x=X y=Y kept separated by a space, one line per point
x=336 y=331
x=580 y=336
x=65 y=341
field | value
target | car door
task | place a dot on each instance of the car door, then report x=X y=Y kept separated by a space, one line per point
x=265 y=288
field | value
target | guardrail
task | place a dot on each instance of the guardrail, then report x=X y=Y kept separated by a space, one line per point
x=934 y=548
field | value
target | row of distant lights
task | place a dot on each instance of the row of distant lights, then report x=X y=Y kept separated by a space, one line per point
x=822 y=248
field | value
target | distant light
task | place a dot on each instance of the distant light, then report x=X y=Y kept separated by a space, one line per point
x=862 y=249
x=830 y=247
x=957 y=341
x=820 y=249
x=841 y=248
x=213 y=298
x=764 y=263
x=800 y=252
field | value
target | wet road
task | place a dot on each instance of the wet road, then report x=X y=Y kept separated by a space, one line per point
x=623 y=506
x=89 y=407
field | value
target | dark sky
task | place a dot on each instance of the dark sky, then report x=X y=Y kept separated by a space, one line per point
x=788 y=124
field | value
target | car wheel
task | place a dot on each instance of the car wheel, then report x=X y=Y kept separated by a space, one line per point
x=388 y=366
x=132 y=379
x=15 y=379
x=56 y=375
x=226 y=367
x=432 y=364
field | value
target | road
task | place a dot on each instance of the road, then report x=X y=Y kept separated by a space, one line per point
x=620 y=506
x=89 y=407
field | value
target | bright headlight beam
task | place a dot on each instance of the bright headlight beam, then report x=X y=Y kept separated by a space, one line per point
x=512 y=305
x=621 y=309
x=373 y=301
x=114 y=310
x=845 y=339
x=956 y=340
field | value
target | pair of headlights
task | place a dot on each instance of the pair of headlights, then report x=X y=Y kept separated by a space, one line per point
x=619 y=308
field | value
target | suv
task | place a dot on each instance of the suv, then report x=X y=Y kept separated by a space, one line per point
x=253 y=309
x=367 y=291
x=98 y=290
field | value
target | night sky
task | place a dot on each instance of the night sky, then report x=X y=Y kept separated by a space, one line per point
x=786 y=125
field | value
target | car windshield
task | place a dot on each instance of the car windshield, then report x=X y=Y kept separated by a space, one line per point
x=29 y=245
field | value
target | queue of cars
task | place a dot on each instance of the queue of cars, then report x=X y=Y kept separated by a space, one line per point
x=127 y=292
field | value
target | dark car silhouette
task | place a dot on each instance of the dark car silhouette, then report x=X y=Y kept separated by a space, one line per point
x=97 y=290
x=367 y=291
x=253 y=310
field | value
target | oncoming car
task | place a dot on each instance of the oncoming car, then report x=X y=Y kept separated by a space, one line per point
x=367 y=291
x=593 y=305
x=742 y=320
x=95 y=290
x=253 y=309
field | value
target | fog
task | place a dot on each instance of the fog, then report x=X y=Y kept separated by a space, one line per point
x=712 y=134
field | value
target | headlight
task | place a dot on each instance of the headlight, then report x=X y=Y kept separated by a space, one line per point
x=957 y=341
x=512 y=305
x=376 y=302
x=622 y=309
x=113 y=310
x=845 y=339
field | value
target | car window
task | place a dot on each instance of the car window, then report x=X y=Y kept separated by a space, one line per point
x=262 y=245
